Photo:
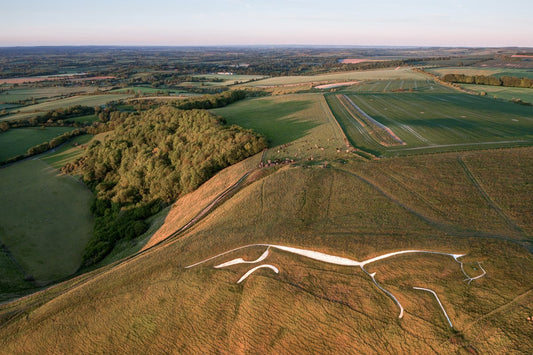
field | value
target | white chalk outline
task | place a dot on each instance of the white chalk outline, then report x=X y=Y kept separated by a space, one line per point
x=438 y=300
x=251 y=271
x=331 y=259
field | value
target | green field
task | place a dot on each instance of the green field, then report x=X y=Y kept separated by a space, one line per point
x=487 y=71
x=397 y=85
x=301 y=124
x=500 y=92
x=440 y=121
x=67 y=152
x=15 y=95
x=383 y=74
x=45 y=220
x=85 y=100
x=17 y=141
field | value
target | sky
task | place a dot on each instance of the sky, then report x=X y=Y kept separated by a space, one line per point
x=268 y=22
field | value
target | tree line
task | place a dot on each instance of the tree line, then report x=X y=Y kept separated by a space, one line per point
x=507 y=81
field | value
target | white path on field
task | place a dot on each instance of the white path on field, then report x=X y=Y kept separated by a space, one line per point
x=268 y=266
x=438 y=300
x=330 y=259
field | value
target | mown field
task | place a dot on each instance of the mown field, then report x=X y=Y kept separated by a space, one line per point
x=440 y=121
x=311 y=306
x=398 y=86
x=17 y=141
x=84 y=100
x=45 y=220
x=298 y=126
x=500 y=92
x=383 y=74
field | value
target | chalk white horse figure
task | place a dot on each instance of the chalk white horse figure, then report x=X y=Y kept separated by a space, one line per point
x=331 y=259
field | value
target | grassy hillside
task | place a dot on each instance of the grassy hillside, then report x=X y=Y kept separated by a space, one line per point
x=45 y=220
x=152 y=304
x=299 y=126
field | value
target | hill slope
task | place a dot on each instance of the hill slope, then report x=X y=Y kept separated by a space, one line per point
x=152 y=303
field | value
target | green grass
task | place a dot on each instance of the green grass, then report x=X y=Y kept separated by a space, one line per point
x=382 y=74
x=45 y=220
x=85 y=100
x=487 y=71
x=501 y=92
x=15 y=95
x=441 y=121
x=299 y=125
x=398 y=85
x=17 y=141
x=67 y=153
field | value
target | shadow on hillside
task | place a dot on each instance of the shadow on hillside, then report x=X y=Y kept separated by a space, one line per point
x=280 y=122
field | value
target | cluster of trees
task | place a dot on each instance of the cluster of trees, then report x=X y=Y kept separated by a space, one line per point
x=152 y=158
x=53 y=117
x=212 y=101
x=508 y=81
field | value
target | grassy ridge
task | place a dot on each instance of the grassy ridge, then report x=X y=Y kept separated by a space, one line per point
x=17 y=141
x=48 y=241
x=309 y=306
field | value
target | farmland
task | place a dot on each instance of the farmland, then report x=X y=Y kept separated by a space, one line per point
x=383 y=74
x=17 y=141
x=41 y=212
x=489 y=71
x=440 y=121
x=505 y=93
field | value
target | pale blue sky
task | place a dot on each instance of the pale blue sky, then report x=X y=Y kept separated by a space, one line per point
x=244 y=22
